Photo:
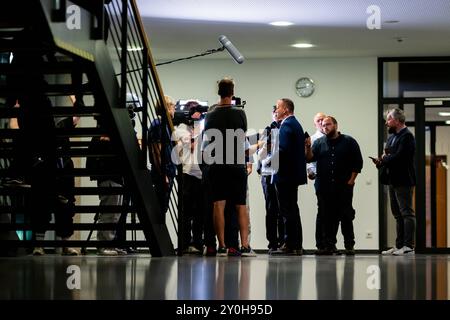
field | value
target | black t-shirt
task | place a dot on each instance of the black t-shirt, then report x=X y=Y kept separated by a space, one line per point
x=231 y=124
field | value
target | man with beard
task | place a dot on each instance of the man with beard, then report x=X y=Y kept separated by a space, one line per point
x=339 y=161
x=397 y=164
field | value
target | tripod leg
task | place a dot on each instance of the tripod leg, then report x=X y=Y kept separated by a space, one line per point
x=83 y=249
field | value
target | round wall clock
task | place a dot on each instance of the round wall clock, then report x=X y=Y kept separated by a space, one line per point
x=304 y=87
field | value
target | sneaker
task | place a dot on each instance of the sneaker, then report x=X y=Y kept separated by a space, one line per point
x=404 y=251
x=233 y=252
x=210 y=251
x=247 y=252
x=107 y=252
x=389 y=251
x=191 y=250
x=121 y=252
x=222 y=252
x=273 y=250
x=38 y=251
x=70 y=252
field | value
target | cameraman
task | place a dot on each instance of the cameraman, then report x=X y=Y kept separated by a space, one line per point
x=186 y=135
x=227 y=173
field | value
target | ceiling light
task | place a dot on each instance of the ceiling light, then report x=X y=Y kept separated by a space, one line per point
x=447 y=122
x=444 y=114
x=303 y=45
x=281 y=23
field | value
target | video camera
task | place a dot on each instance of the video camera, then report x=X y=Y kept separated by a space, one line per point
x=185 y=109
x=237 y=102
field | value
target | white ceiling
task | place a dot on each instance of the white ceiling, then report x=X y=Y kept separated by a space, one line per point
x=337 y=28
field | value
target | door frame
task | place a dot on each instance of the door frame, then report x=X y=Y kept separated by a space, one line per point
x=420 y=159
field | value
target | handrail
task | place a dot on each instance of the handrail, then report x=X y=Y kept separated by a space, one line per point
x=141 y=78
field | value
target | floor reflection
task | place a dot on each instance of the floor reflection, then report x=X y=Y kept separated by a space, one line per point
x=197 y=278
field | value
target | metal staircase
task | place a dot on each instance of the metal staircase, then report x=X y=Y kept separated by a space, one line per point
x=100 y=52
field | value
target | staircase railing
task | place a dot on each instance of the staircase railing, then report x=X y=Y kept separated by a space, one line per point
x=142 y=87
x=89 y=46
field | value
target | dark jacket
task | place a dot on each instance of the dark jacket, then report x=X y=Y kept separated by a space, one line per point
x=398 y=164
x=291 y=157
x=336 y=160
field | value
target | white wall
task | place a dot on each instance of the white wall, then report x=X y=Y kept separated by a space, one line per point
x=345 y=88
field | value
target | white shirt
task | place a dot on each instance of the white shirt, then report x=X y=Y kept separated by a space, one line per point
x=311 y=167
x=183 y=135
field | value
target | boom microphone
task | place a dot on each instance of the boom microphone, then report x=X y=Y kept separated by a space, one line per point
x=237 y=56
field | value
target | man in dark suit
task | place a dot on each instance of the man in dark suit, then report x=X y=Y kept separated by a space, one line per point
x=291 y=173
x=397 y=162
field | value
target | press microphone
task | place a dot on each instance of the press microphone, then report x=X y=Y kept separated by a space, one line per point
x=237 y=56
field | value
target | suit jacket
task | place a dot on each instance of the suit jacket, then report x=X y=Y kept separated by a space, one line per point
x=291 y=153
x=398 y=164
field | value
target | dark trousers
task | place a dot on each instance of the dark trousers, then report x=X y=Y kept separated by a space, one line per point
x=193 y=211
x=336 y=207
x=320 y=230
x=401 y=206
x=274 y=221
x=163 y=191
x=287 y=195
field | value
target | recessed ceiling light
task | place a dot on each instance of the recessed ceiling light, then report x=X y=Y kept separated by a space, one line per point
x=303 y=45
x=444 y=114
x=391 y=21
x=281 y=23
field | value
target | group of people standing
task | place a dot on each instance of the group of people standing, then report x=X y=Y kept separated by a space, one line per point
x=287 y=157
x=334 y=161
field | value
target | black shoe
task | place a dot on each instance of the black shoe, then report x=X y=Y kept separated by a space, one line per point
x=320 y=252
x=288 y=252
x=349 y=252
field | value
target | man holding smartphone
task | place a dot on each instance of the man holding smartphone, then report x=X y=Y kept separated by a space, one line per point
x=397 y=164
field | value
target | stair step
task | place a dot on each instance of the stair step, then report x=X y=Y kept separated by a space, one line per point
x=87 y=191
x=56 y=111
x=50 y=90
x=61 y=67
x=60 y=132
x=73 y=153
x=73 y=243
x=79 y=209
x=76 y=226
x=76 y=172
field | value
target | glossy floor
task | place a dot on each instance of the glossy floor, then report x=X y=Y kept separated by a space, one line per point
x=371 y=277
